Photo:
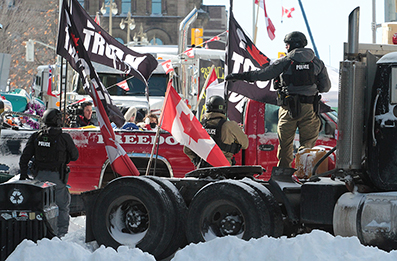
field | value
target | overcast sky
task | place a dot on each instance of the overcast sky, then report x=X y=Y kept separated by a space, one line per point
x=328 y=21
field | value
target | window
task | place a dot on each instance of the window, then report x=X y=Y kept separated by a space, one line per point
x=271 y=118
x=125 y=6
x=120 y=40
x=81 y=2
x=156 y=7
x=156 y=41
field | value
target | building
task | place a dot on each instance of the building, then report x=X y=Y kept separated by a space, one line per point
x=157 y=21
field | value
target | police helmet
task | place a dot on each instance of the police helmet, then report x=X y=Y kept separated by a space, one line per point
x=216 y=104
x=295 y=40
x=52 y=117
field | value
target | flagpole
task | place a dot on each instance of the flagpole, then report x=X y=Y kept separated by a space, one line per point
x=158 y=129
x=256 y=24
x=308 y=29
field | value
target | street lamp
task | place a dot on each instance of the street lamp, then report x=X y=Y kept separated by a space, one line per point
x=112 y=11
x=131 y=25
x=141 y=38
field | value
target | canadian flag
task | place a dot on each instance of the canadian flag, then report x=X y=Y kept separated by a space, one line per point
x=118 y=158
x=97 y=19
x=123 y=85
x=212 y=80
x=287 y=12
x=49 y=87
x=269 y=25
x=189 y=53
x=177 y=119
x=167 y=65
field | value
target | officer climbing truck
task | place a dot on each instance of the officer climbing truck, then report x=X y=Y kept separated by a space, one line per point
x=159 y=215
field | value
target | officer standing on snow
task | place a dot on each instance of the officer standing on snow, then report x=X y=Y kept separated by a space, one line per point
x=299 y=77
x=52 y=151
x=226 y=134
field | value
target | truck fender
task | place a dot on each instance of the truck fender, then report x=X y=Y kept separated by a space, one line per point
x=133 y=155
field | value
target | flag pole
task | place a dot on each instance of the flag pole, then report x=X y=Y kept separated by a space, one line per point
x=308 y=29
x=158 y=128
x=256 y=24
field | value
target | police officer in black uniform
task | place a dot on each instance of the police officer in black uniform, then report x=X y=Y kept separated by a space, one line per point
x=226 y=134
x=300 y=76
x=52 y=150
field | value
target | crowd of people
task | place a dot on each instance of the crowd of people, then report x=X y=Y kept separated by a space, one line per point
x=135 y=119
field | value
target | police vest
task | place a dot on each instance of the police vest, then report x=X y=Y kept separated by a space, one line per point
x=302 y=73
x=214 y=130
x=46 y=147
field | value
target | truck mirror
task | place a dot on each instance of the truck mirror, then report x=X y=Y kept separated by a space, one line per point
x=329 y=128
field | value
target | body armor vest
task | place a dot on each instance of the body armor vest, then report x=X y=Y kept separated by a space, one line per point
x=47 y=147
x=214 y=130
x=302 y=74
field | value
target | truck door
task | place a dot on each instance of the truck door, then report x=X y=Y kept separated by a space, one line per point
x=261 y=129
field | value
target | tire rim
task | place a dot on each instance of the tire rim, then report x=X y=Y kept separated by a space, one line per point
x=221 y=218
x=127 y=221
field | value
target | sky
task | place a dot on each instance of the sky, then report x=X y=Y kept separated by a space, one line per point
x=328 y=21
x=317 y=245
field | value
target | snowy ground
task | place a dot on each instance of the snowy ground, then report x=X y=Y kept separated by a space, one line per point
x=317 y=245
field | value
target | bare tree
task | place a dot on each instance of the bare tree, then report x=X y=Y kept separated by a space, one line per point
x=24 y=20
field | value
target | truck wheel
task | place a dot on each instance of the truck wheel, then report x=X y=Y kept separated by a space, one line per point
x=227 y=207
x=272 y=208
x=178 y=240
x=134 y=211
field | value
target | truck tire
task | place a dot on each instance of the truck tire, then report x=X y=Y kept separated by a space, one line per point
x=272 y=207
x=134 y=211
x=178 y=239
x=227 y=207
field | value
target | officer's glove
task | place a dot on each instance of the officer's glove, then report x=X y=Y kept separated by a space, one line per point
x=234 y=77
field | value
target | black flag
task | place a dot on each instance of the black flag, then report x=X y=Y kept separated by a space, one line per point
x=70 y=46
x=103 y=48
x=242 y=55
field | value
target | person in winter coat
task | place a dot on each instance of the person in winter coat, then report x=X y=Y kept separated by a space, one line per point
x=227 y=134
x=299 y=77
x=51 y=150
x=86 y=119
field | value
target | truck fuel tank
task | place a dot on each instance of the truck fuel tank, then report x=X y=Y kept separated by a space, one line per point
x=372 y=217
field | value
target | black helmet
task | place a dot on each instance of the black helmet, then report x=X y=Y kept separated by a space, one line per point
x=216 y=104
x=52 y=117
x=295 y=40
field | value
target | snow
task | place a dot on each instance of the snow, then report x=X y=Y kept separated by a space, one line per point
x=317 y=245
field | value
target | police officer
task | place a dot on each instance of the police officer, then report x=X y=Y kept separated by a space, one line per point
x=227 y=134
x=52 y=151
x=300 y=76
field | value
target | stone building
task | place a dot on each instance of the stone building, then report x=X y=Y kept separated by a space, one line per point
x=157 y=21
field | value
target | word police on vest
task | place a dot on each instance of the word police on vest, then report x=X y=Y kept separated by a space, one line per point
x=302 y=67
x=44 y=144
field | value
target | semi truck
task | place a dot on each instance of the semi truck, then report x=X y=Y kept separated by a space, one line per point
x=357 y=198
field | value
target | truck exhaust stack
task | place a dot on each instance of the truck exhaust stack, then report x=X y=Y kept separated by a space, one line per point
x=351 y=103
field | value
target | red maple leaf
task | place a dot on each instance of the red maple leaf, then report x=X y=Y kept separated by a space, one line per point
x=188 y=127
x=257 y=55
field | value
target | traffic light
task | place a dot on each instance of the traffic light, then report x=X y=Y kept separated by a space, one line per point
x=30 y=51
x=197 y=36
